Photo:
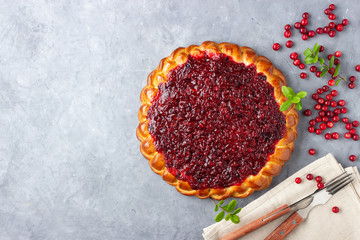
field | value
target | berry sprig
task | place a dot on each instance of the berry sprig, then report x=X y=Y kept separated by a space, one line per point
x=312 y=56
x=229 y=209
x=292 y=98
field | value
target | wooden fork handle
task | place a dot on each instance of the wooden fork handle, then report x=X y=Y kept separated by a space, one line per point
x=286 y=227
x=257 y=223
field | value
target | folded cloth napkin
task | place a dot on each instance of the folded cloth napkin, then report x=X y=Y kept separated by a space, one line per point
x=321 y=222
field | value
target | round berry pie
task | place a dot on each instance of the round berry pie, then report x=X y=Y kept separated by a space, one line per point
x=210 y=122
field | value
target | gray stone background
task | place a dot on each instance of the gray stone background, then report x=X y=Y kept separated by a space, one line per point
x=70 y=77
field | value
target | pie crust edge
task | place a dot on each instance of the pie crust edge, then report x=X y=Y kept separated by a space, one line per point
x=283 y=148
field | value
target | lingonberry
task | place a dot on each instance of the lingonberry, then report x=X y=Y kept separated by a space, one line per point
x=276 y=46
x=329 y=114
x=309 y=176
x=315 y=96
x=343 y=110
x=333 y=104
x=301 y=66
x=325 y=88
x=355 y=137
x=351 y=85
x=311 y=129
x=337 y=111
x=324 y=108
x=355 y=123
x=333 y=76
x=303 y=30
x=352 y=158
x=332 y=16
x=304 y=22
x=313 y=69
x=318 y=131
x=312 y=122
x=345 y=22
x=312 y=151
x=332 y=25
x=345 y=120
x=321 y=101
x=349 y=126
x=339 y=27
x=335 y=135
x=351 y=79
x=318 y=119
x=329 y=97
x=322 y=126
x=297 y=25
x=296 y=62
x=327 y=136
x=303 y=75
x=326 y=29
x=331 y=82
x=336 y=118
x=352 y=131
x=289 y=44
x=321 y=113
x=331 y=70
x=336 y=61
x=320 y=185
x=287 y=34
x=319 y=30
x=287 y=27
x=327 y=103
x=332 y=33
x=347 y=135
x=329 y=56
x=325 y=119
x=334 y=93
x=321 y=48
x=305 y=15
x=338 y=54
x=327 y=11
x=342 y=103
x=332 y=7
x=298 y=180
x=330 y=124
x=305 y=37
x=318 y=74
x=318 y=179
x=307 y=112
x=357 y=68
x=319 y=91
x=311 y=34
x=294 y=56
x=335 y=209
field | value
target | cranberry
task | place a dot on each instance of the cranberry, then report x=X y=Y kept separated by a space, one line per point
x=347 y=135
x=311 y=129
x=330 y=124
x=355 y=137
x=318 y=131
x=327 y=103
x=315 y=96
x=343 y=110
x=329 y=97
x=321 y=113
x=318 y=119
x=342 y=103
x=289 y=44
x=322 y=126
x=304 y=22
x=319 y=30
x=331 y=70
x=325 y=119
x=332 y=16
x=329 y=114
x=326 y=29
x=320 y=185
x=296 y=62
x=321 y=101
x=325 y=88
x=303 y=30
x=352 y=158
x=355 y=123
x=319 y=91
x=287 y=34
x=336 y=61
x=298 y=180
x=357 y=68
x=334 y=77
x=287 y=27
x=335 y=135
x=311 y=34
x=324 y=108
x=321 y=48
x=331 y=82
x=335 y=209
x=307 y=112
x=327 y=136
x=301 y=66
x=297 y=25
x=332 y=25
x=334 y=93
x=352 y=79
x=305 y=15
x=332 y=7
x=276 y=46
x=345 y=22
x=318 y=74
x=337 y=111
x=312 y=122
x=305 y=37
x=332 y=33
x=303 y=75
x=345 y=120
x=312 y=151
x=327 y=11
x=330 y=56
x=352 y=131
x=338 y=54
x=309 y=176
x=349 y=126
x=294 y=56
x=339 y=27
x=318 y=179
x=351 y=85
x=336 y=118
x=313 y=69
x=333 y=104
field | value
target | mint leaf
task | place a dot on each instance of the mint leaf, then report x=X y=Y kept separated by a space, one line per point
x=321 y=60
x=231 y=206
x=221 y=202
x=337 y=70
x=285 y=106
x=287 y=92
x=338 y=81
x=295 y=99
x=216 y=208
x=235 y=219
x=298 y=106
x=309 y=60
x=220 y=216
x=236 y=211
x=291 y=91
x=301 y=94
x=331 y=63
x=308 y=52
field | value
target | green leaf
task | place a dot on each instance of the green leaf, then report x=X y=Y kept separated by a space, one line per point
x=236 y=211
x=331 y=63
x=309 y=60
x=338 y=81
x=295 y=99
x=225 y=207
x=337 y=70
x=301 y=94
x=220 y=216
x=287 y=92
x=221 y=202
x=228 y=217
x=314 y=48
x=235 y=219
x=291 y=91
x=298 y=106
x=216 y=208
x=321 y=60
x=323 y=73
x=285 y=106
x=231 y=206
x=322 y=68
x=316 y=51
x=308 y=52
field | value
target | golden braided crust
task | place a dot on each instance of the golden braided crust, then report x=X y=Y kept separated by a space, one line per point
x=245 y=55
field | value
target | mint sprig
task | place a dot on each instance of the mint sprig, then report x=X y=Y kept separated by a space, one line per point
x=292 y=98
x=312 y=56
x=229 y=209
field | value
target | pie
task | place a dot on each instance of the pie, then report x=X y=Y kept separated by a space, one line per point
x=210 y=122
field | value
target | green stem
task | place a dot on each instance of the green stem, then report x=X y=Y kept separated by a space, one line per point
x=219 y=206
x=329 y=68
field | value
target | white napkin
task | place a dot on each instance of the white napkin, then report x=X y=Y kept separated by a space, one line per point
x=321 y=222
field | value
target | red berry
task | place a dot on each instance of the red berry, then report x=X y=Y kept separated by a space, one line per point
x=327 y=103
x=312 y=122
x=320 y=185
x=297 y=25
x=335 y=209
x=325 y=88
x=322 y=126
x=319 y=30
x=318 y=119
x=333 y=104
x=343 y=110
x=345 y=22
x=336 y=118
x=321 y=113
x=332 y=16
x=352 y=158
x=329 y=114
x=337 y=111
x=317 y=107
x=298 y=180
x=301 y=66
x=332 y=7
x=294 y=56
x=311 y=129
x=335 y=135
x=352 y=131
x=324 y=108
x=357 y=68
x=305 y=15
x=311 y=34
x=327 y=11
x=334 y=93
x=327 y=136
x=319 y=91
x=318 y=179
x=352 y=79
x=338 y=54
x=296 y=62
x=315 y=96
x=349 y=126
x=309 y=176
x=345 y=120
x=313 y=69
x=332 y=25
x=332 y=33
x=312 y=151
x=339 y=27
x=330 y=56
x=351 y=85
x=355 y=137
x=276 y=46
x=342 y=103
x=321 y=48
x=325 y=119
x=318 y=74
x=304 y=22
x=355 y=123
x=336 y=61
x=326 y=29
x=303 y=30
x=331 y=82
x=305 y=37
x=330 y=124
x=331 y=70
x=347 y=135
x=303 y=75
x=287 y=27
x=307 y=112
x=287 y=34
x=289 y=44
x=318 y=132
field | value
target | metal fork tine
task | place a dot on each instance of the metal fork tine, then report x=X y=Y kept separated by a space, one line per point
x=335 y=178
x=337 y=182
x=340 y=186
